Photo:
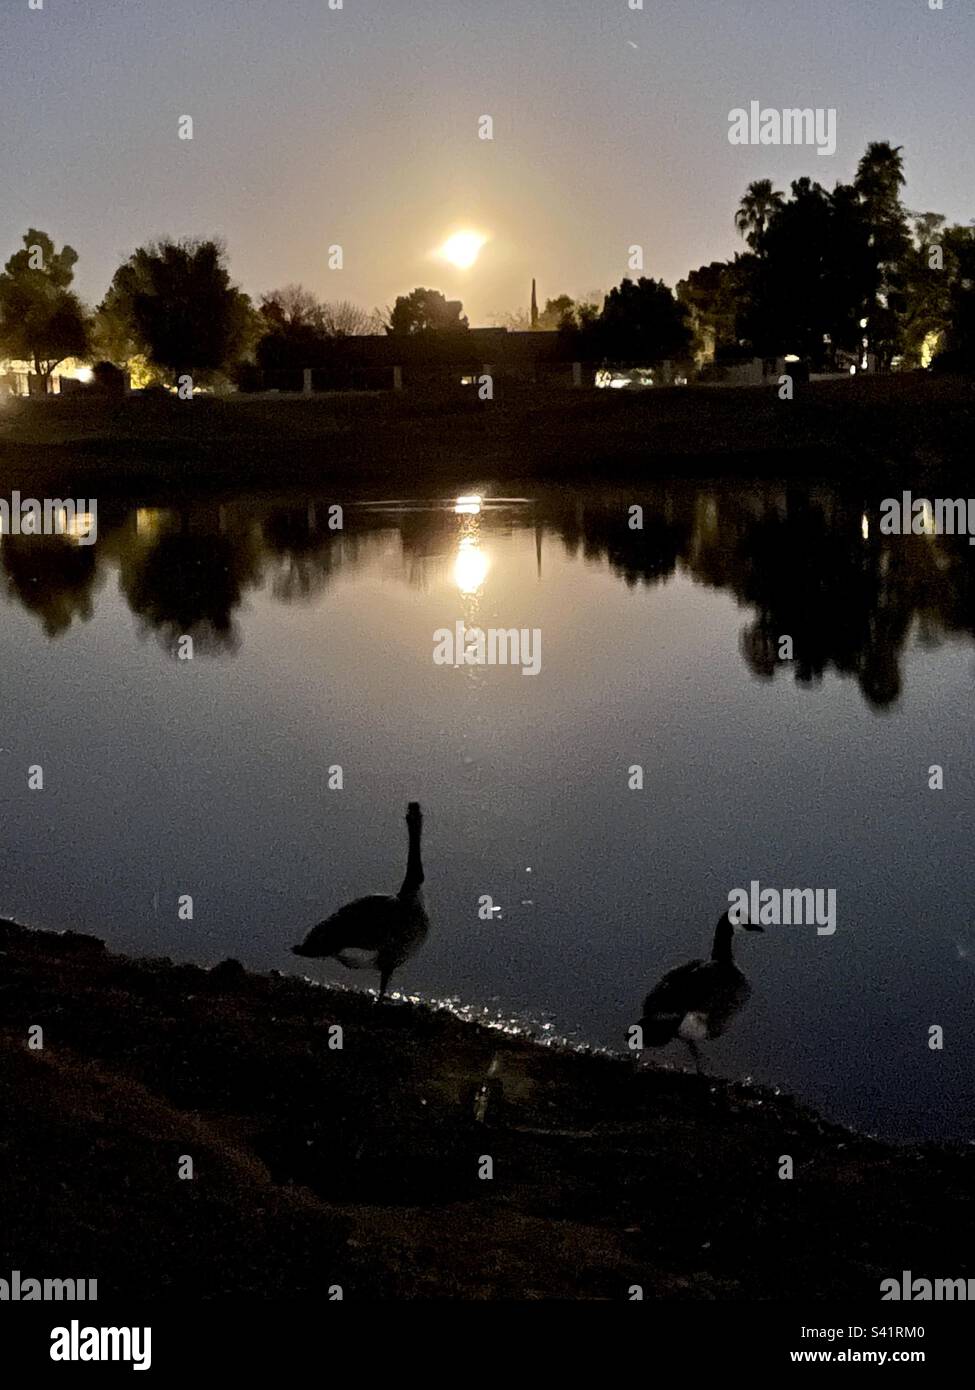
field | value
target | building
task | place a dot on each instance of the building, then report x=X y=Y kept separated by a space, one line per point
x=20 y=379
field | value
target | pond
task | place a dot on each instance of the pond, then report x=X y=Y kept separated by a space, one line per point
x=640 y=749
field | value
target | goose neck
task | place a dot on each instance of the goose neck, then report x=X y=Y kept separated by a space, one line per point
x=414 y=864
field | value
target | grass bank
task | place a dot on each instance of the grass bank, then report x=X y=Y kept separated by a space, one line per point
x=866 y=428
x=315 y=1165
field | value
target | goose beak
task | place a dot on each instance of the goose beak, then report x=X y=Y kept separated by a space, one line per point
x=753 y=926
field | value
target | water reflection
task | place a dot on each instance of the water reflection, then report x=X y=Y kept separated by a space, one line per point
x=314 y=650
x=471 y=565
x=189 y=579
x=806 y=563
x=52 y=578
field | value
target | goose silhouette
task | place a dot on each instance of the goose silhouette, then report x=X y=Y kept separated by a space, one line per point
x=698 y=1001
x=381 y=931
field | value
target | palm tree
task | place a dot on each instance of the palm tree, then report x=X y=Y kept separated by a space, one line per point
x=880 y=174
x=755 y=211
x=878 y=183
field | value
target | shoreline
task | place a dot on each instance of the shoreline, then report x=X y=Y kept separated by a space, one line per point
x=355 y=1157
x=867 y=429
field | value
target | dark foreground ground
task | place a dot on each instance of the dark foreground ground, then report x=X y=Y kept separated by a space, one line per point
x=315 y=1166
x=867 y=428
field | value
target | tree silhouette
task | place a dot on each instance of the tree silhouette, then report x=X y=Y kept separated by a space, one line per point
x=879 y=180
x=291 y=307
x=959 y=353
x=642 y=322
x=755 y=211
x=562 y=311
x=41 y=320
x=424 y=311
x=824 y=262
x=301 y=332
x=714 y=296
x=52 y=578
x=188 y=582
x=175 y=304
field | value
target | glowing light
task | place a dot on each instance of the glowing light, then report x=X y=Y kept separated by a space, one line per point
x=929 y=348
x=619 y=381
x=148 y=520
x=84 y=374
x=471 y=565
x=468 y=506
x=462 y=249
x=865 y=527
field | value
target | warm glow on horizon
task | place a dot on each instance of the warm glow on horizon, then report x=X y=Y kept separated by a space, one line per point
x=462 y=249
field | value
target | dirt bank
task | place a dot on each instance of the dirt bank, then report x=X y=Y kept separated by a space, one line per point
x=315 y=1165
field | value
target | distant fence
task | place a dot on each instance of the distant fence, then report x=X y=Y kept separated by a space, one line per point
x=315 y=380
x=377 y=362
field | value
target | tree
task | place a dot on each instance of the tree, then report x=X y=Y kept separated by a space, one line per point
x=959 y=337
x=174 y=302
x=756 y=210
x=293 y=332
x=291 y=307
x=300 y=331
x=343 y=319
x=847 y=283
x=558 y=311
x=425 y=311
x=714 y=297
x=927 y=281
x=640 y=323
x=808 y=289
x=879 y=180
x=41 y=320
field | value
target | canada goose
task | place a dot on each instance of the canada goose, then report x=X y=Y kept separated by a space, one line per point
x=698 y=1001
x=378 y=932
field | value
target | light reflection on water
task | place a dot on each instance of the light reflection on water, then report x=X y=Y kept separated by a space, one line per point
x=313 y=647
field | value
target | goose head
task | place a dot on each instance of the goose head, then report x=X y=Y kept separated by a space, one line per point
x=725 y=930
x=741 y=925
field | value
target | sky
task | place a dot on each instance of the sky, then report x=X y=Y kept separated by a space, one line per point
x=358 y=127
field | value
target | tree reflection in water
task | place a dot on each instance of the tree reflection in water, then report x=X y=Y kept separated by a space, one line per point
x=805 y=562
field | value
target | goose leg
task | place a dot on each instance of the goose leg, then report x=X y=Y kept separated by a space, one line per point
x=695 y=1053
x=383 y=983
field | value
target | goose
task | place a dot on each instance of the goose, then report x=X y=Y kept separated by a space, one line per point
x=378 y=932
x=699 y=1000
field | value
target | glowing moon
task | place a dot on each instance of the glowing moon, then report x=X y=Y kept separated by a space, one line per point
x=462 y=249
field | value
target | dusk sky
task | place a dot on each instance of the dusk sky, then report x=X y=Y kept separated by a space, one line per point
x=359 y=127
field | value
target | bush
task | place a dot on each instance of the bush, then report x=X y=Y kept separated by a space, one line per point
x=105 y=376
x=958 y=362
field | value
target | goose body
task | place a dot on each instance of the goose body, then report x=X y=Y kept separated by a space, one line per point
x=698 y=1001
x=380 y=931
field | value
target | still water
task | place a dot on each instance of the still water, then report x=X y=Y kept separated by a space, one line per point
x=313 y=649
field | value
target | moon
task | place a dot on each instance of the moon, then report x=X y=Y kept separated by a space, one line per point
x=462 y=249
